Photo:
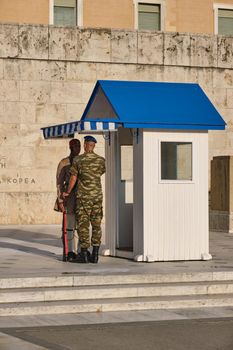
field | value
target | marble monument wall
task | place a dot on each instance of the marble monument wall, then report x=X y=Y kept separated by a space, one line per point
x=46 y=76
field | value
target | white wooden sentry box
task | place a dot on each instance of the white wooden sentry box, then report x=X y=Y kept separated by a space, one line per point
x=156 y=208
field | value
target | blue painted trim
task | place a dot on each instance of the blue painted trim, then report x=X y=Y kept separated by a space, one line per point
x=173 y=126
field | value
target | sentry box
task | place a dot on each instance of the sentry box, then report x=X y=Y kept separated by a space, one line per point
x=156 y=150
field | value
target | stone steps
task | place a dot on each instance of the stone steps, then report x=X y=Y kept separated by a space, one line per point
x=116 y=304
x=117 y=279
x=22 y=295
x=98 y=293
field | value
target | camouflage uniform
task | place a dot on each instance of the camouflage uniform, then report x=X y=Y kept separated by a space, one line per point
x=89 y=167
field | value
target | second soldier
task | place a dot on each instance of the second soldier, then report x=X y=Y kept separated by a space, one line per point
x=87 y=170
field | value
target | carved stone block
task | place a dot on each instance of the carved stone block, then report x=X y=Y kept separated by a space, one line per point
x=33 y=41
x=150 y=48
x=225 y=52
x=74 y=111
x=34 y=91
x=203 y=51
x=63 y=43
x=10 y=112
x=81 y=71
x=177 y=49
x=223 y=78
x=66 y=92
x=9 y=40
x=27 y=112
x=123 y=46
x=9 y=90
x=230 y=98
x=11 y=69
x=9 y=134
x=1 y=68
x=94 y=45
x=50 y=113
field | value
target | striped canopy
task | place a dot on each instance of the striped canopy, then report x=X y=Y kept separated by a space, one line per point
x=80 y=126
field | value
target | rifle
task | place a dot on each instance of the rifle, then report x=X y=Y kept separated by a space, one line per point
x=64 y=237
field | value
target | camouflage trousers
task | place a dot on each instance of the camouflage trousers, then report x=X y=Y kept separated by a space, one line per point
x=89 y=212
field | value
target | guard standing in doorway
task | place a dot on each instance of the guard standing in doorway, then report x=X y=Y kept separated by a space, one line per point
x=87 y=170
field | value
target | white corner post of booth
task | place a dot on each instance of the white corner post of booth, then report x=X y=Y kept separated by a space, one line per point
x=150 y=258
x=138 y=258
x=206 y=256
x=105 y=252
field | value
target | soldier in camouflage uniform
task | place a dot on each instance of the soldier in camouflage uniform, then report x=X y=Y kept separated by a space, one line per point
x=87 y=169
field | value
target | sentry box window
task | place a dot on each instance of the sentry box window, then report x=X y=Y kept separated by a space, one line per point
x=176 y=161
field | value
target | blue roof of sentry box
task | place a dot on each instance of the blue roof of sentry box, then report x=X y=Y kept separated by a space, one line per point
x=137 y=104
x=134 y=104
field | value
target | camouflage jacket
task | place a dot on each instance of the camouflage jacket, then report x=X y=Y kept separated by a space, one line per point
x=89 y=167
x=62 y=181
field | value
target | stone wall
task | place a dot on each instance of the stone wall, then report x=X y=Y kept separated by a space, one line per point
x=46 y=77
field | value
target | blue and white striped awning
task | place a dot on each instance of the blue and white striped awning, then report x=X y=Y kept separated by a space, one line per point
x=80 y=126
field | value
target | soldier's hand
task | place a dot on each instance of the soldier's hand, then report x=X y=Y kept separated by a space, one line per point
x=65 y=194
x=61 y=207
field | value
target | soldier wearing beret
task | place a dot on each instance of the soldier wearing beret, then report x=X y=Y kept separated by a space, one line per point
x=87 y=169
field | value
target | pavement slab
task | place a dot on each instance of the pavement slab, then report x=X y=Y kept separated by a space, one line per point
x=36 y=250
x=204 y=334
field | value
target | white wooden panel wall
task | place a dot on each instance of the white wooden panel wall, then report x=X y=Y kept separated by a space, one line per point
x=111 y=193
x=138 y=243
x=175 y=214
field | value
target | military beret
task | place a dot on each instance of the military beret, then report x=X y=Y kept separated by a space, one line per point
x=89 y=138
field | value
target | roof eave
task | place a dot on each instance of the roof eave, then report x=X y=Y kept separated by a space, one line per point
x=173 y=126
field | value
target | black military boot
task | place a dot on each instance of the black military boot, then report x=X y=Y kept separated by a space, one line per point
x=95 y=255
x=83 y=256
x=71 y=256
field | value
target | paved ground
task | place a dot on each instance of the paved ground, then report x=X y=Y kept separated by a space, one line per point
x=31 y=251
x=36 y=251
x=214 y=334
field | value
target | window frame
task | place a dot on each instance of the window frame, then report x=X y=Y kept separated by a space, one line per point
x=161 y=3
x=79 y=14
x=164 y=181
x=216 y=8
